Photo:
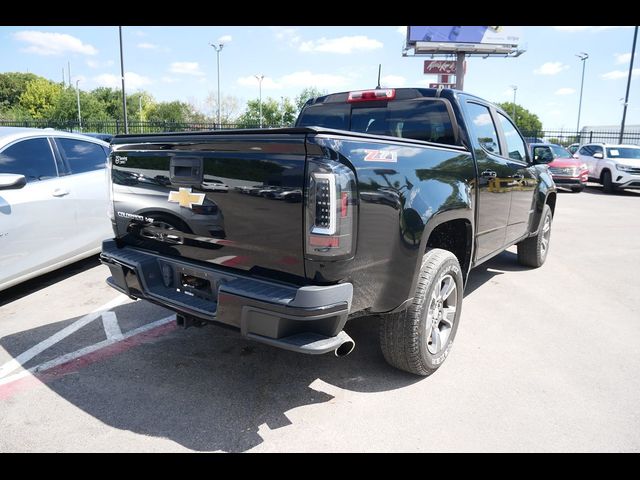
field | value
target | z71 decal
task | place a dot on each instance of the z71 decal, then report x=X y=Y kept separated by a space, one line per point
x=381 y=156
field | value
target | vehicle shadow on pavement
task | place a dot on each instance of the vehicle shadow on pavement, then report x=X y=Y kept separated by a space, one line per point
x=31 y=286
x=504 y=262
x=210 y=389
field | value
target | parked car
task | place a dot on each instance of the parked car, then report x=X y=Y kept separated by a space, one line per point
x=573 y=148
x=53 y=201
x=214 y=185
x=106 y=137
x=567 y=171
x=386 y=227
x=614 y=166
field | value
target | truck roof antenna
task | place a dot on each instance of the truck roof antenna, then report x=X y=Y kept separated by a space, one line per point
x=379 y=69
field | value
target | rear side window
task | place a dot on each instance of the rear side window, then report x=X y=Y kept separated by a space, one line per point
x=426 y=120
x=483 y=129
x=81 y=156
x=32 y=158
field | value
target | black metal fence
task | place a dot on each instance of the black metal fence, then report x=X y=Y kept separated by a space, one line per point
x=117 y=126
x=561 y=137
x=566 y=138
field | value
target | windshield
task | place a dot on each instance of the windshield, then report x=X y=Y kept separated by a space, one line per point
x=559 y=152
x=623 y=152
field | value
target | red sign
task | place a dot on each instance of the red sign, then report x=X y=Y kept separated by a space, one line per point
x=442 y=85
x=439 y=67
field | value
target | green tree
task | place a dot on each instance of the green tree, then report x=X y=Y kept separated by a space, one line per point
x=306 y=94
x=40 y=97
x=66 y=109
x=12 y=85
x=175 y=111
x=274 y=113
x=526 y=121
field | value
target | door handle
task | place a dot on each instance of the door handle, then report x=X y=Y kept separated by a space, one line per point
x=489 y=174
x=60 y=192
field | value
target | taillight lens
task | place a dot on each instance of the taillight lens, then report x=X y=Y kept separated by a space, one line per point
x=110 y=209
x=330 y=210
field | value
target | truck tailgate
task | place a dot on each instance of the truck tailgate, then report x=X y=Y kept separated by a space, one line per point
x=229 y=199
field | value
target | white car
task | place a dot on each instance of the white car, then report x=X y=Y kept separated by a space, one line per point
x=53 y=201
x=214 y=185
x=614 y=166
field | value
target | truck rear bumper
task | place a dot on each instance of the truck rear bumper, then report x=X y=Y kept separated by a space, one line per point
x=305 y=319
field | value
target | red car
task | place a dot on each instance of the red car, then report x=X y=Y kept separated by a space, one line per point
x=567 y=171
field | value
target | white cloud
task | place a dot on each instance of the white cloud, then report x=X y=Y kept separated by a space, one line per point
x=288 y=35
x=297 y=79
x=342 y=45
x=167 y=79
x=585 y=28
x=47 y=43
x=132 y=80
x=393 y=81
x=402 y=31
x=225 y=39
x=617 y=74
x=186 y=68
x=550 y=68
x=147 y=46
x=482 y=119
x=140 y=33
x=99 y=64
x=622 y=58
x=565 y=91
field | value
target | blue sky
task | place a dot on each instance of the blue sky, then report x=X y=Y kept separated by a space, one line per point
x=177 y=63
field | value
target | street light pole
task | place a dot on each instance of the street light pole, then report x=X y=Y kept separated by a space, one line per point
x=260 y=78
x=515 y=88
x=218 y=48
x=583 y=58
x=78 y=98
x=626 y=98
x=124 y=95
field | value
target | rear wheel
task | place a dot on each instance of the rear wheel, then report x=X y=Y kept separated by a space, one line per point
x=607 y=184
x=420 y=338
x=533 y=251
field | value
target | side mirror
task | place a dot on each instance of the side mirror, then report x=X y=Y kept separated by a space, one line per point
x=12 y=181
x=539 y=156
x=598 y=155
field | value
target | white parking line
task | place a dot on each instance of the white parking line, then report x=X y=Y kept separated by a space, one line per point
x=111 y=326
x=85 y=351
x=23 y=358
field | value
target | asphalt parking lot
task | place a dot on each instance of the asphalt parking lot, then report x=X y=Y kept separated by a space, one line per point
x=544 y=360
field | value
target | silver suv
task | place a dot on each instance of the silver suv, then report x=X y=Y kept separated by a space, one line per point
x=614 y=166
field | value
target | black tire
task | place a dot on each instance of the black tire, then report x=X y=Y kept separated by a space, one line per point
x=407 y=337
x=577 y=189
x=533 y=251
x=607 y=184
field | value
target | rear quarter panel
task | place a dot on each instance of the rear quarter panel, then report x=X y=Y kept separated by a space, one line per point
x=404 y=193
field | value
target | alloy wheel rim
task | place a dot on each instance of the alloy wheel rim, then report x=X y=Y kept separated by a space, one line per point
x=546 y=234
x=441 y=314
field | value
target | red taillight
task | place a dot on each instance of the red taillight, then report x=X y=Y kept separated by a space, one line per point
x=371 y=95
x=344 y=199
x=330 y=217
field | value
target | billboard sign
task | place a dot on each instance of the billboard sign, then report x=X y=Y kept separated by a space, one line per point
x=442 y=85
x=439 y=67
x=463 y=34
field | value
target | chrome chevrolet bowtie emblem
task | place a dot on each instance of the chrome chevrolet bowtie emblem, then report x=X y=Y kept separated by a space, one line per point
x=185 y=198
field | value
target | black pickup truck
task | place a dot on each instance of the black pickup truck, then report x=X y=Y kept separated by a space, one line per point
x=376 y=203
